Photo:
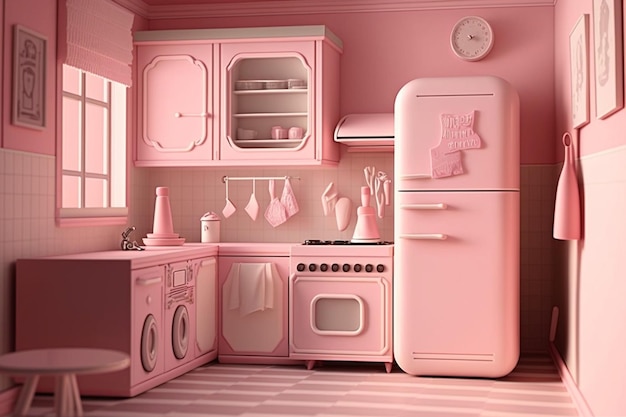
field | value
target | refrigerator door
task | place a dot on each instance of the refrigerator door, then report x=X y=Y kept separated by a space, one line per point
x=456 y=292
x=457 y=133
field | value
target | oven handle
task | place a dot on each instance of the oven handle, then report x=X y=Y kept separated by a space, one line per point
x=424 y=236
x=354 y=332
x=432 y=206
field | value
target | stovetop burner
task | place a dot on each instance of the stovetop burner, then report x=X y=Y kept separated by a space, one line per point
x=319 y=242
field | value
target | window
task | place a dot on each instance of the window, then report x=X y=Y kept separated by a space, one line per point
x=93 y=150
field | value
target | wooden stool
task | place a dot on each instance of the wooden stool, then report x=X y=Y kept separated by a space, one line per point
x=64 y=364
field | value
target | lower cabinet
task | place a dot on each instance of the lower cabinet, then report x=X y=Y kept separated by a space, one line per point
x=253 y=309
x=158 y=306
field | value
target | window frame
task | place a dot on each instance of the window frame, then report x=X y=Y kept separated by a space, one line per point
x=93 y=216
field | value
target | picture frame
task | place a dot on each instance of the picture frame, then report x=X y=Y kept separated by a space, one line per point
x=29 y=78
x=608 y=54
x=579 y=71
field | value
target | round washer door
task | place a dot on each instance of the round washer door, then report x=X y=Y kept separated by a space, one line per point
x=180 y=332
x=149 y=343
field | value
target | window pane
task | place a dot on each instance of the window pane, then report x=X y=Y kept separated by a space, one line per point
x=95 y=87
x=96 y=192
x=118 y=145
x=71 y=80
x=71 y=135
x=96 y=143
x=71 y=191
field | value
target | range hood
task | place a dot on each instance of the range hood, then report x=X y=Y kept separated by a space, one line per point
x=367 y=131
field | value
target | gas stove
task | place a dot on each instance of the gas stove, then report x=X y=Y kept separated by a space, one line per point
x=345 y=253
x=341 y=301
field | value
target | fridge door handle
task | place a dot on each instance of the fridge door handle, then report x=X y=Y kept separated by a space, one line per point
x=416 y=177
x=432 y=206
x=424 y=236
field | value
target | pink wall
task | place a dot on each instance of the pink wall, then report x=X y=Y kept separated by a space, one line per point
x=385 y=50
x=590 y=281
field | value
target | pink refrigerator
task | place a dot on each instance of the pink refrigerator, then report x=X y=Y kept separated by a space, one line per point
x=456 y=227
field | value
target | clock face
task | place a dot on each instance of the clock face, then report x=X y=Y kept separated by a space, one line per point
x=471 y=38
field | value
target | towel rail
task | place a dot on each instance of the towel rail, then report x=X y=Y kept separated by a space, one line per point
x=226 y=178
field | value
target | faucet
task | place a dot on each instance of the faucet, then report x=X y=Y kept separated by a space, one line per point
x=126 y=243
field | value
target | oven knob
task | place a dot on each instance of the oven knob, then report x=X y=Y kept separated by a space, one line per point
x=369 y=268
x=312 y=267
x=323 y=267
x=300 y=267
x=380 y=268
x=335 y=267
x=346 y=267
x=357 y=267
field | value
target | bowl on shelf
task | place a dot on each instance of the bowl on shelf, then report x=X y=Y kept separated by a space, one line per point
x=296 y=83
x=246 y=134
x=275 y=84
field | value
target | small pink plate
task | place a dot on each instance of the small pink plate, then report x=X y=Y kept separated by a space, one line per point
x=162 y=235
x=163 y=242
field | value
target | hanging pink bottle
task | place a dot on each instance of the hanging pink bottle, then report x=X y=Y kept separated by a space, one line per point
x=567 y=202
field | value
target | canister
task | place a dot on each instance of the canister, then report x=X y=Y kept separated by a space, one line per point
x=210 y=223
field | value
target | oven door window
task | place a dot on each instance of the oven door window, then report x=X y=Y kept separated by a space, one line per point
x=342 y=315
x=337 y=314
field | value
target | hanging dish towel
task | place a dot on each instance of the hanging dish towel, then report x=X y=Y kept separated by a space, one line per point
x=252 y=287
x=275 y=214
x=288 y=199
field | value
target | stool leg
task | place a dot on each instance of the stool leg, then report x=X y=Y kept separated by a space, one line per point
x=26 y=395
x=78 y=406
x=63 y=396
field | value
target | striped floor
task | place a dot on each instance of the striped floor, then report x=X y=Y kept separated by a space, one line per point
x=339 y=390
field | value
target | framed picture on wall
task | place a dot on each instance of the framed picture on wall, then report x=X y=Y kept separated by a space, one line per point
x=29 y=78
x=579 y=71
x=609 y=67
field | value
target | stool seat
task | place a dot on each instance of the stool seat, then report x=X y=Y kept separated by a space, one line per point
x=64 y=364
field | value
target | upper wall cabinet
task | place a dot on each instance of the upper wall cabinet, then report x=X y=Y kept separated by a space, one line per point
x=175 y=105
x=237 y=97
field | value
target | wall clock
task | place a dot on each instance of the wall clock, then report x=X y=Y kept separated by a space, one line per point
x=471 y=38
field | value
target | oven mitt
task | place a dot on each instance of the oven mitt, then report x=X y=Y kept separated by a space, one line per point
x=288 y=199
x=275 y=214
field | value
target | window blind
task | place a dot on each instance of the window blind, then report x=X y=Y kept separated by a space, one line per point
x=99 y=39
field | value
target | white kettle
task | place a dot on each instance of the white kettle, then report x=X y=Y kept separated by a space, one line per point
x=210 y=223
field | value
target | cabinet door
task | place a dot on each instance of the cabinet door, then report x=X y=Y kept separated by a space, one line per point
x=267 y=85
x=175 y=105
x=259 y=333
x=456 y=283
x=206 y=305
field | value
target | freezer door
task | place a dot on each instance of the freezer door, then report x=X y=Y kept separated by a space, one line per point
x=456 y=283
x=456 y=134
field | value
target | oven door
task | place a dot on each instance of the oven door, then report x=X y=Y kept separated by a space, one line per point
x=334 y=317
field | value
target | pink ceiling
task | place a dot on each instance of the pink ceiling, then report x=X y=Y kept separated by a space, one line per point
x=181 y=2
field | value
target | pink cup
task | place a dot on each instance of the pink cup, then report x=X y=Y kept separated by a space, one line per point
x=279 y=132
x=296 y=132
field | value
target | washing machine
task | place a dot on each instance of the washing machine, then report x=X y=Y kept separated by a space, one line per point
x=180 y=314
x=147 y=352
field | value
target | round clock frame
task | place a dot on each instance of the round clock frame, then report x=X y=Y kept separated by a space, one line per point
x=471 y=38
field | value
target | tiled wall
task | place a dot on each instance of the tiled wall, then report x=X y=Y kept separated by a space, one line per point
x=538 y=188
x=28 y=229
x=196 y=191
